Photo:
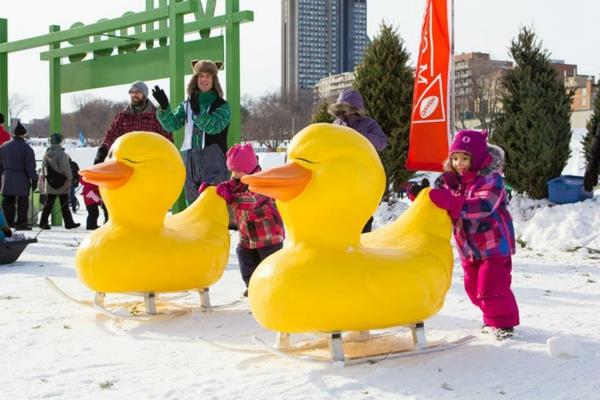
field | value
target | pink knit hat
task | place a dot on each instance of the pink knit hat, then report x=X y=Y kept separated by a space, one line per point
x=473 y=143
x=241 y=158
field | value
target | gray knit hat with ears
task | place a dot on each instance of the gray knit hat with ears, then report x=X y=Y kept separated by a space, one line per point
x=141 y=86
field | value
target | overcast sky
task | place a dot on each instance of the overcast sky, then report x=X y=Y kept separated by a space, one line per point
x=568 y=30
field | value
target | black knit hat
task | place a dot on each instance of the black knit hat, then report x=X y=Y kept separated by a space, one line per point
x=19 y=130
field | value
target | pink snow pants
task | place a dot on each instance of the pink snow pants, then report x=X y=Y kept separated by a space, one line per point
x=487 y=283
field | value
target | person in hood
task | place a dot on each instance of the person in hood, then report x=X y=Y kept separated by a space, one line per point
x=473 y=192
x=139 y=115
x=56 y=163
x=206 y=116
x=349 y=110
x=19 y=178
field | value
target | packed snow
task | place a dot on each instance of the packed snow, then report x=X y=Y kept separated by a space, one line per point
x=52 y=348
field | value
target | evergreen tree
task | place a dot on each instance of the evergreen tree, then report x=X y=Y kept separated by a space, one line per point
x=385 y=81
x=320 y=113
x=591 y=126
x=534 y=128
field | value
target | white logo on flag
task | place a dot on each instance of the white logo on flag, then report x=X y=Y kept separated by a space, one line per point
x=428 y=106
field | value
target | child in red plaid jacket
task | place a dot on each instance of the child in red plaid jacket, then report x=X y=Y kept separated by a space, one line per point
x=473 y=192
x=258 y=221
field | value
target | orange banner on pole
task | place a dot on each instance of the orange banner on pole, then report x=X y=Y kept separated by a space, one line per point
x=430 y=119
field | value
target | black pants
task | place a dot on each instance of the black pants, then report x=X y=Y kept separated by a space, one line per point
x=250 y=258
x=8 y=206
x=92 y=217
x=64 y=209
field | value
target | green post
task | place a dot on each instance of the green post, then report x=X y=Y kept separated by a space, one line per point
x=55 y=112
x=232 y=70
x=4 y=71
x=176 y=74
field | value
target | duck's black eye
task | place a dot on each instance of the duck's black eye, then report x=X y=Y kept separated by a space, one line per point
x=305 y=160
x=131 y=161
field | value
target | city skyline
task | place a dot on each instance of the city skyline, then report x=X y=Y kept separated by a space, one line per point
x=564 y=35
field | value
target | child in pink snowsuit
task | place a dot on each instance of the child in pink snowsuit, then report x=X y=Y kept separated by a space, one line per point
x=472 y=191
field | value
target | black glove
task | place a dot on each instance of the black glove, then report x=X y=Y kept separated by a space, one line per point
x=194 y=100
x=101 y=155
x=160 y=96
x=7 y=231
x=590 y=179
x=33 y=185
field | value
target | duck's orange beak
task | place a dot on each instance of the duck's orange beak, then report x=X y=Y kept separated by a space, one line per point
x=109 y=174
x=282 y=183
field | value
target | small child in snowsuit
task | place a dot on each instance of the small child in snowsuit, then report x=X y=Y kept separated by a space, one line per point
x=92 y=201
x=473 y=192
x=259 y=224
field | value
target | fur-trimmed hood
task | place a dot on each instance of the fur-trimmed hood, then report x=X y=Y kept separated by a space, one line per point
x=497 y=161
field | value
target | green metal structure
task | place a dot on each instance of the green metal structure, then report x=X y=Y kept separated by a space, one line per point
x=129 y=48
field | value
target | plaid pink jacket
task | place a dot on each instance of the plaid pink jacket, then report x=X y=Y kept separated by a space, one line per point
x=484 y=228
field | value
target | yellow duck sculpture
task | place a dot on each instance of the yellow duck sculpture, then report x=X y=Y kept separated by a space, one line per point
x=328 y=277
x=141 y=249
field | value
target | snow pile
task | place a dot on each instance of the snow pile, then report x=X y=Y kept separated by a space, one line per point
x=567 y=227
x=563 y=347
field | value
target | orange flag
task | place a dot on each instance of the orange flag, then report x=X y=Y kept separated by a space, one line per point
x=430 y=119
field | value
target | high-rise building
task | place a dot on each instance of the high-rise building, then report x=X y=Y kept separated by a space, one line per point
x=319 y=38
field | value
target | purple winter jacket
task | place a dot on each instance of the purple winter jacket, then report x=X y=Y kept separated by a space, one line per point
x=351 y=100
x=484 y=228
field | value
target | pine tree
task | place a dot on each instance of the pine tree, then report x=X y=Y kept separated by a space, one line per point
x=534 y=128
x=592 y=125
x=385 y=81
x=320 y=113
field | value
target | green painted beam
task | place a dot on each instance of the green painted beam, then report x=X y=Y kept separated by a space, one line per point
x=55 y=112
x=239 y=17
x=99 y=27
x=176 y=74
x=232 y=71
x=4 y=71
x=209 y=11
x=125 y=68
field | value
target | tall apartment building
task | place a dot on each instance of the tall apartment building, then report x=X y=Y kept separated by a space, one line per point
x=320 y=38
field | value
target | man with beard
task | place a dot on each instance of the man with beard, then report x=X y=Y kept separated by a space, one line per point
x=139 y=115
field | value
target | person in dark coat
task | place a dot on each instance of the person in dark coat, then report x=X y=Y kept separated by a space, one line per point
x=19 y=177
x=349 y=110
x=56 y=159
x=590 y=179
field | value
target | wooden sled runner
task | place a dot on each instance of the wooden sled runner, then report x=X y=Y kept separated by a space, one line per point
x=360 y=347
x=153 y=305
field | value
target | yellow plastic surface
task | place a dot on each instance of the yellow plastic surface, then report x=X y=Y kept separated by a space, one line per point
x=329 y=277
x=141 y=248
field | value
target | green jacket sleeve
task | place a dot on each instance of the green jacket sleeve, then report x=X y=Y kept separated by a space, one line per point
x=171 y=121
x=213 y=123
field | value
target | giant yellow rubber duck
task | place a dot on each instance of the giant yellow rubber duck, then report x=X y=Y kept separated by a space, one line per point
x=328 y=277
x=141 y=249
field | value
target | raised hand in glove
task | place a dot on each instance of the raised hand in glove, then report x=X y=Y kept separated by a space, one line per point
x=443 y=198
x=7 y=231
x=160 y=97
x=194 y=100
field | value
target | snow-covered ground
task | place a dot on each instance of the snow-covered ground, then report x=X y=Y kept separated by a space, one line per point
x=52 y=348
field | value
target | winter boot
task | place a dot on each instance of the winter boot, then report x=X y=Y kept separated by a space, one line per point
x=68 y=218
x=503 y=333
x=44 y=221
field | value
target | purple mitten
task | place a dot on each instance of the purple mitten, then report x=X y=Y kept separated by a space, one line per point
x=224 y=191
x=443 y=198
x=449 y=179
x=203 y=187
